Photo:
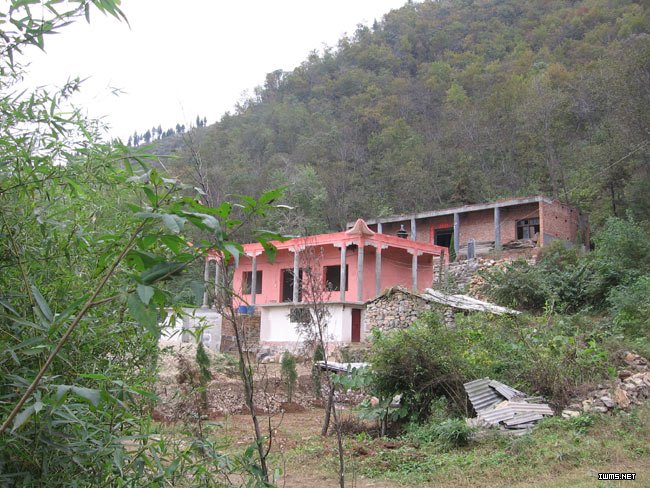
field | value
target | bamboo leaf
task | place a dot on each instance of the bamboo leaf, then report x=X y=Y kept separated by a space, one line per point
x=90 y=395
x=22 y=417
x=42 y=304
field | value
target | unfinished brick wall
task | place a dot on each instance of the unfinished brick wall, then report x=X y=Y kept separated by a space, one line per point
x=251 y=328
x=477 y=225
x=557 y=221
x=563 y=222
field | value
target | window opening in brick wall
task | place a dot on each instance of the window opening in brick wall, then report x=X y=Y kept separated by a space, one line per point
x=528 y=229
x=248 y=282
x=333 y=277
x=442 y=237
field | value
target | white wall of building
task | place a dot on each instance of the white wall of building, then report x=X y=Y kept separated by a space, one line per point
x=276 y=326
x=172 y=332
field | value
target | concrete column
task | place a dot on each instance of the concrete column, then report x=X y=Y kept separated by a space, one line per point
x=217 y=285
x=378 y=271
x=414 y=234
x=414 y=270
x=497 y=228
x=380 y=228
x=254 y=280
x=360 y=272
x=342 y=282
x=456 y=233
x=206 y=279
x=296 y=275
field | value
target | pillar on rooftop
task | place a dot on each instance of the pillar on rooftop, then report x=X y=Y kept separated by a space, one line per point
x=414 y=233
x=379 y=247
x=497 y=228
x=206 y=279
x=379 y=228
x=342 y=282
x=414 y=267
x=216 y=283
x=456 y=232
x=254 y=279
x=359 y=271
x=296 y=275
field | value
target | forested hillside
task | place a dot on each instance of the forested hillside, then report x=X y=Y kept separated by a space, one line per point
x=449 y=102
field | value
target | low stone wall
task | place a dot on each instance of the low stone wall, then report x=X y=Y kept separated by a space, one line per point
x=251 y=327
x=395 y=309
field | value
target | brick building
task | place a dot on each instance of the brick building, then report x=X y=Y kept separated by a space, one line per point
x=494 y=224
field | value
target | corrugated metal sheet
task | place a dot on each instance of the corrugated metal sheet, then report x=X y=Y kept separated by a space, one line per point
x=341 y=367
x=496 y=402
x=505 y=390
x=481 y=395
x=523 y=418
x=493 y=417
x=523 y=407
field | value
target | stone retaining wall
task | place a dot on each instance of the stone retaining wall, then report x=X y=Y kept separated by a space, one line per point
x=251 y=327
x=396 y=308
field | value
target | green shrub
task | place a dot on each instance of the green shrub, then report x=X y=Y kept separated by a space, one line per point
x=421 y=362
x=289 y=373
x=630 y=307
x=428 y=361
x=563 y=280
x=622 y=252
x=453 y=433
x=518 y=285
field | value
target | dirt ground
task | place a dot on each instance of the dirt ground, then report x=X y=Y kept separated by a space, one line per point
x=309 y=460
x=299 y=449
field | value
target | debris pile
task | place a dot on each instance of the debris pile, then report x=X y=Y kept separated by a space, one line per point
x=499 y=405
x=469 y=275
x=520 y=244
x=465 y=303
x=631 y=387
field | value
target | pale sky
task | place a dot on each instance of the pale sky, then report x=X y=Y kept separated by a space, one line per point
x=180 y=59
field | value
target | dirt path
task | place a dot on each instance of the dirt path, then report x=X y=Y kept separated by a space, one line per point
x=299 y=450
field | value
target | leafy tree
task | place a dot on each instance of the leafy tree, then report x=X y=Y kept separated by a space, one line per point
x=84 y=285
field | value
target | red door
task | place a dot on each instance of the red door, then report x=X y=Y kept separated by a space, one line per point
x=356 y=325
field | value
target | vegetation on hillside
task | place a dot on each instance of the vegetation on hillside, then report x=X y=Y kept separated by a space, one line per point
x=450 y=102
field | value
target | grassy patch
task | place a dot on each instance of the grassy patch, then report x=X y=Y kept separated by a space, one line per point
x=557 y=453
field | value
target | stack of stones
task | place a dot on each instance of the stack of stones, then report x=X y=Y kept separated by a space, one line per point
x=632 y=387
x=396 y=308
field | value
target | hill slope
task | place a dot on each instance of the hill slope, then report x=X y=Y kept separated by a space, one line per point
x=450 y=102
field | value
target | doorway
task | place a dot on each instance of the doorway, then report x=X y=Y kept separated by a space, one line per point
x=356 y=325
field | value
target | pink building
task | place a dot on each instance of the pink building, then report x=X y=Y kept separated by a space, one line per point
x=353 y=267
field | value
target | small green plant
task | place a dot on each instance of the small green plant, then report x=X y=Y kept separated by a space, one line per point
x=315 y=372
x=289 y=373
x=203 y=362
x=581 y=423
x=453 y=433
